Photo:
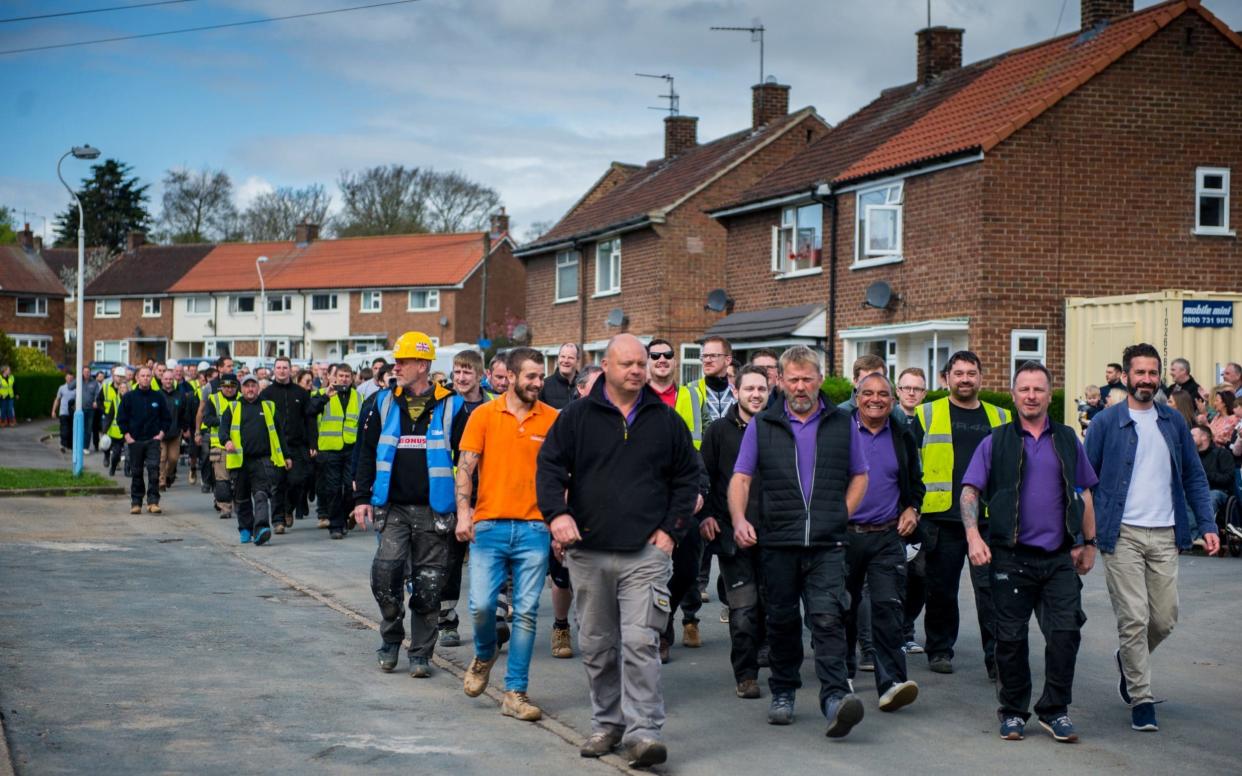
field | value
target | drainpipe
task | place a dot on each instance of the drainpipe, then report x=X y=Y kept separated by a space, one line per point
x=824 y=196
x=582 y=296
x=487 y=249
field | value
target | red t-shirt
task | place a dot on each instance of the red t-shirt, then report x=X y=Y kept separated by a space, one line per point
x=669 y=396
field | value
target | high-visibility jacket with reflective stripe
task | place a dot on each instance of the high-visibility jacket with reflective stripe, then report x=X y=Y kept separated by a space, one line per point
x=235 y=459
x=218 y=401
x=112 y=403
x=937 y=450
x=6 y=387
x=689 y=406
x=337 y=428
x=439 y=456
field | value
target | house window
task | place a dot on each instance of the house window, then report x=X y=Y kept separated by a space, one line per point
x=37 y=341
x=885 y=349
x=33 y=306
x=241 y=304
x=112 y=350
x=1212 y=200
x=797 y=244
x=1026 y=345
x=372 y=302
x=877 y=237
x=566 y=276
x=691 y=363
x=424 y=300
x=280 y=303
x=608 y=267
x=367 y=345
x=151 y=307
x=216 y=348
x=198 y=305
x=107 y=308
x=323 y=302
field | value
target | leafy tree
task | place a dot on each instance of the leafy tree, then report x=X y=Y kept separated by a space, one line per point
x=113 y=203
x=457 y=204
x=198 y=206
x=7 y=234
x=7 y=346
x=29 y=361
x=382 y=200
x=275 y=215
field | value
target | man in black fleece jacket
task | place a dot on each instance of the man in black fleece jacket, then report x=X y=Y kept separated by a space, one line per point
x=617 y=481
x=292 y=403
x=142 y=417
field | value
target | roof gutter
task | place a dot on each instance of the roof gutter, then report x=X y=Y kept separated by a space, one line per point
x=766 y=204
x=639 y=222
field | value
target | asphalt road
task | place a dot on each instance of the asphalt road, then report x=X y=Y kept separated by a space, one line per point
x=138 y=644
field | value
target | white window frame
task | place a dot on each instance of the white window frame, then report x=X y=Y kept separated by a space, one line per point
x=431 y=300
x=331 y=302
x=376 y=297
x=102 y=305
x=152 y=307
x=1222 y=194
x=122 y=349
x=894 y=203
x=690 y=363
x=366 y=346
x=211 y=348
x=1040 y=354
x=787 y=233
x=284 y=303
x=40 y=306
x=192 y=304
x=235 y=307
x=613 y=248
x=565 y=260
x=40 y=342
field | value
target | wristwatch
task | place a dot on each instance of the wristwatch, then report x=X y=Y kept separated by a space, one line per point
x=1089 y=542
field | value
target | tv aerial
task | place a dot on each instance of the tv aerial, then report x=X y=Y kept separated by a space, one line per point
x=756 y=30
x=674 y=99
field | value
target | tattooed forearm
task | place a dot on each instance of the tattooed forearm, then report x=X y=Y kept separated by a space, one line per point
x=466 y=463
x=970 y=507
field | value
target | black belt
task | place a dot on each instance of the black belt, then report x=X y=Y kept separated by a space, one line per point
x=864 y=528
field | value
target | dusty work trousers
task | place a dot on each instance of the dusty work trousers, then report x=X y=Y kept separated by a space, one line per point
x=207 y=469
x=622 y=602
x=222 y=484
x=252 y=493
x=1141 y=573
x=945 y=557
x=416 y=537
x=170 y=451
x=144 y=459
x=878 y=560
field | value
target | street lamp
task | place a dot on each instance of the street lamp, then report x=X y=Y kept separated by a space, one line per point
x=79 y=425
x=258 y=266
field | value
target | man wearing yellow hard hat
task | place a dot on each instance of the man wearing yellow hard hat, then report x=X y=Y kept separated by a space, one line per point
x=404 y=484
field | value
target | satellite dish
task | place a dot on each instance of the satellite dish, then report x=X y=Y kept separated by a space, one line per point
x=521 y=332
x=879 y=295
x=718 y=301
x=444 y=321
x=616 y=317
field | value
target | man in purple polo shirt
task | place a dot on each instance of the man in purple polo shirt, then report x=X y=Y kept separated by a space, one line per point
x=876 y=555
x=810 y=459
x=1034 y=477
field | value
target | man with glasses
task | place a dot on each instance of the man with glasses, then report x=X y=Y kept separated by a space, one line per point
x=911 y=389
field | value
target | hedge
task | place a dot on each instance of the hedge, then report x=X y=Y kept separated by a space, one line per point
x=36 y=393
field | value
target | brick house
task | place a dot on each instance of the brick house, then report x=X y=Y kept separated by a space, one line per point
x=962 y=209
x=32 y=298
x=638 y=252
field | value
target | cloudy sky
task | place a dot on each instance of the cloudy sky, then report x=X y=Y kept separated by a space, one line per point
x=531 y=97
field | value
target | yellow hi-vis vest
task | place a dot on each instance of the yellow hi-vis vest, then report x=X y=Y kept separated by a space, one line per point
x=937 y=451
x=221 y=403
x=111 y=407
x=234 y=459
x=689 y=406
x=337 y=428
x=6 y=387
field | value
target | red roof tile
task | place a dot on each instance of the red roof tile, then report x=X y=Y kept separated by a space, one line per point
x=23 y=272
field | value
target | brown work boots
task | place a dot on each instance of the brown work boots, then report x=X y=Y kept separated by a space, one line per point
x=561 y=646
x=518 y=706
x=477 y=675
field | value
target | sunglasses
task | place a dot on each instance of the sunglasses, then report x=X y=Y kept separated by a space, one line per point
x=666 y=355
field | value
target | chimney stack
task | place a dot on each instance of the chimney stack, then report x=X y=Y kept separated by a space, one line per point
x=26 y=238
x=681 y=133
x=769 y=101
x=500 y=224
x=940 y=50
x=38 y=243
x=135 y=240
x=306 y=233
x=1096 y=11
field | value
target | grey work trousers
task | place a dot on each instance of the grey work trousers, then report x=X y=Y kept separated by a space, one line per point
x=622 y=601
x=418 y=537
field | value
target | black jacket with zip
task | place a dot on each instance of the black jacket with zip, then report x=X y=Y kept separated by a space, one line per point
x=721 y=443
x=623 y=480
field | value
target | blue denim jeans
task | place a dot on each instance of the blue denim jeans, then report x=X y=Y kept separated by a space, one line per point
x=6 y=409
x=501 y=548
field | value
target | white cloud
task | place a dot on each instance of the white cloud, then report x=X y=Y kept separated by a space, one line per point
x=245 y=192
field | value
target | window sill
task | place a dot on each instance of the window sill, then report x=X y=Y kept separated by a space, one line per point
x=566 y=300
x=44 y=315
x=370 y=312
x=153 y=315
x=1199 y=232
x=602 y=294
x=802 y=273
x=876 y=261
x=422 y=309
x=99 y=316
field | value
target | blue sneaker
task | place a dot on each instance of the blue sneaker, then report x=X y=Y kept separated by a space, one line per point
x=1143 y=718
x=263 y=535
x=781 y=710
x=843 y=714
x=1012 y=729
x=245 y=536
x=1122 y=689
x=1060 y=728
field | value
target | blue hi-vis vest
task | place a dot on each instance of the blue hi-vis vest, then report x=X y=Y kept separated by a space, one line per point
x=439 y=456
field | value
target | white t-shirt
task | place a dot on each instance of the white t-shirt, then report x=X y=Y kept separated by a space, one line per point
x=1149 y=501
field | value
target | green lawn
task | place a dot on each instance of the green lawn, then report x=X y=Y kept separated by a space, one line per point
x=19 y=479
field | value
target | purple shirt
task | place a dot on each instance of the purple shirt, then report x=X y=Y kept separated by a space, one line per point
x=629 y=418
x=880 y=503
x=1041 y=501
x=804 y=444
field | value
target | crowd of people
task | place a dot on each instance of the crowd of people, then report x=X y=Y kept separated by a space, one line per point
x=620 y=484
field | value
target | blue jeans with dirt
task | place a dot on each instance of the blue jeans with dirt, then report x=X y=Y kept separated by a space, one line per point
x=501 y=548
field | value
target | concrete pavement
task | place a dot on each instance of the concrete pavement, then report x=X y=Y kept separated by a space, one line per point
x=156 y=643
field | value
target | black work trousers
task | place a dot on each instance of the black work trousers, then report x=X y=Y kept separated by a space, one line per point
x=451 y=592
x=416 y=537
x=684 y=581
x=945 y=556
x=144 y=459
x=290 y=482
x=206 y=470
x=332 y=478
x=916 y=591
x=878 y=560
x=813 y=578
x=741 y=580
x=1029 y=580
x=252 y=485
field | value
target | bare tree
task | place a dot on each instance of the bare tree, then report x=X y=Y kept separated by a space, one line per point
x=382 y=200
x=198 y=206
x=535 y=230
x=95 y=261
x=274 y=215
x=456 y=204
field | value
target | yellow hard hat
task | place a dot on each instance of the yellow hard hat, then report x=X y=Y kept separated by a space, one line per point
x=414 y=344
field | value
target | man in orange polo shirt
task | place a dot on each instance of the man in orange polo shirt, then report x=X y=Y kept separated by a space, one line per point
x=505 y=528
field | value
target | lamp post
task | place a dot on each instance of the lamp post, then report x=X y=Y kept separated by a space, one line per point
x=79 y=424
x=258 y=266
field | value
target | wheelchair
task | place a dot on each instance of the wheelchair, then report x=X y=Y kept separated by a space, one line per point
x=1229 y=524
